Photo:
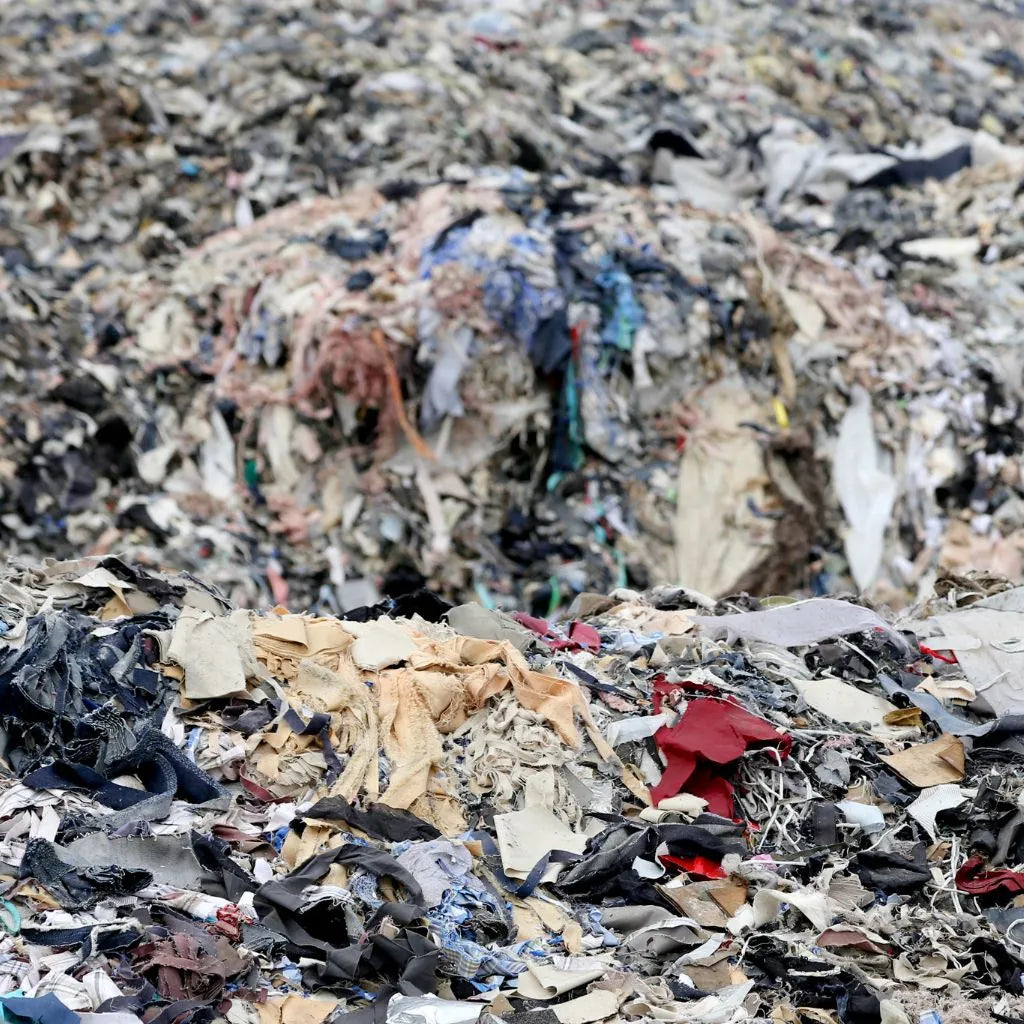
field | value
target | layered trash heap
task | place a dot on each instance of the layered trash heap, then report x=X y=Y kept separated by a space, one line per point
x=666 y=808
x=328 y=302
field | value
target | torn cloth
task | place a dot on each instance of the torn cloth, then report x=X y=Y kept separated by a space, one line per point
x=997 y=886
x=580 y=635
x=710 y=734
x=326 y=935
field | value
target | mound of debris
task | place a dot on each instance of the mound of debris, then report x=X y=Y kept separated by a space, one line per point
x=661 y=808
x=519 y=301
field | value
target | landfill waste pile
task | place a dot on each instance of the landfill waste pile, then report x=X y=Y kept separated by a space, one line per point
x=666 y=808
x=330 y=302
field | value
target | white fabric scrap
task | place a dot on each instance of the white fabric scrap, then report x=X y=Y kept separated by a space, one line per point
x=865 y=487
x=927 y=806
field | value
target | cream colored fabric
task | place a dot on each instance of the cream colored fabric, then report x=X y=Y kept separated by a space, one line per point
x=283 y=641
x=434 y=684
x=290 y=765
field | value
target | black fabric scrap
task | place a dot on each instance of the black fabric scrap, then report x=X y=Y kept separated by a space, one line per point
x=606 y=866
x=676 y=142
x=247 y=718
x=707 y=834
x=551 y=345
x=608 y=857
x=154 y=586
x=225 y=877
x=822 y=824
x=684 y=992
x=812 y=983
x=377 y=820
x=917 y=171
x=992 y=958
x=408 y=960
x=890 y=873
x=78 y=888
x=352 y=248
x=359 y=281
x=424 y=603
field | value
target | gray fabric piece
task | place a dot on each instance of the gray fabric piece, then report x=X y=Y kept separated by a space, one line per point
x=435 y=865
x=441 y=393
x=631 y=919
x=1007 y=601
x=480 y=622
x=798 y=624
x=993 y=669
x=169 y=859
x=108 y=1018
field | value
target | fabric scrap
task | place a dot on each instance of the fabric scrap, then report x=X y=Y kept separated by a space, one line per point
x=711 y=734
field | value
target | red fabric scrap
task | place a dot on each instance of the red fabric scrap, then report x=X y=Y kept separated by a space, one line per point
x=259 y=792
x=580 y=634
x=949 y=659
x=710 y=735
x=229 y=921
x=973 y=879
x=538 y=626
x=583 y=635
x=701 y=867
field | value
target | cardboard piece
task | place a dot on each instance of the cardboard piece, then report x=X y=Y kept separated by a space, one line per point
x=930 y=764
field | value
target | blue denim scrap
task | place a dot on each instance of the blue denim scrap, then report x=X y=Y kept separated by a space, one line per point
x=453 y=920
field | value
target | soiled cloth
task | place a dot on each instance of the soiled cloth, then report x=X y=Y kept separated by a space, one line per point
x=485 y=668
x=354 y=720
x=297 y=756
x=408 y=959
x=285 y=641
x=439 y=681
x=712 y=733
x=996 y=886
x=502 y=748
x=444 y=683
x=412 y=740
